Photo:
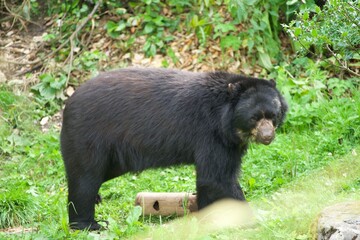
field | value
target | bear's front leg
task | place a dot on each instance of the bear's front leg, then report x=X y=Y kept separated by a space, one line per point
x=210 y=191
x=217 y=170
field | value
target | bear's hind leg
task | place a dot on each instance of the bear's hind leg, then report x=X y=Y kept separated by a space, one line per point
x=83 y=194
x=85 y=173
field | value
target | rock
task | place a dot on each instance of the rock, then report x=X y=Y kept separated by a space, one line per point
x=340 y=222
x=44 y=121
x=70 y=91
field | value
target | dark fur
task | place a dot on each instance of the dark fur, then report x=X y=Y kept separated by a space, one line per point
x=133 y=119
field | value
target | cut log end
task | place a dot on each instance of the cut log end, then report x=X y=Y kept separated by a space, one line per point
x=166 y=204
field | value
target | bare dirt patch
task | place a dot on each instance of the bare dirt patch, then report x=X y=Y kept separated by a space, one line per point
x=17 y=230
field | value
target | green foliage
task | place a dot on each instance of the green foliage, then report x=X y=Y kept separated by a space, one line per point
x=19 y=149
x=114 y=29
x=10 y=114
x=155 y=26
x=89 y=61
x=49 y=93
x=202 y=27
x=132 y=225
x=262 y=22
x=17 y=203
x=332 y=33
x=259 y=21
x=313 y=95
x=50 y=87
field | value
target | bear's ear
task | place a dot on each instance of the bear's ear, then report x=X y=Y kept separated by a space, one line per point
x=234 y=89
x=231 y=88
x=273 y=83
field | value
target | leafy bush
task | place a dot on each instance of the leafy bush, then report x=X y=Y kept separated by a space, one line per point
x=331 y=34
x=320 y=102
x=251 y=25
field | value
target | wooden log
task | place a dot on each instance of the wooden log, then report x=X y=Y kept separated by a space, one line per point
x=166 y=204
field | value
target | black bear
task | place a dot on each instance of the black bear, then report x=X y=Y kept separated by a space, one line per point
x=132 y=119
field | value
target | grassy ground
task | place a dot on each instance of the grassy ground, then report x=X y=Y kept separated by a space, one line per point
x=308 y=167
x=288 y=213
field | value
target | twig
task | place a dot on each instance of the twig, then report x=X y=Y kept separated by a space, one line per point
x=341 y=64
x=71 y=38
x=289 y=73
x=91 y=33
x=37 y=66
x=15 y=15
x=18 y=63
x=71 y=60
x=21 y=18
x=334 y=65
x=354 y=6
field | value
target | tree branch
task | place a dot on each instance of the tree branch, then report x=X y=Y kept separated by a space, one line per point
x=342 y=66
x=334 y=65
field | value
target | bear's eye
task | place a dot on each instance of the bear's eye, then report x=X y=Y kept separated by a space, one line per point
x=270 y=115
x=254 y=118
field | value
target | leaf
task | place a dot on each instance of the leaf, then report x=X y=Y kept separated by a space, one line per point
x=120 y=11
x=26 y=12
x=222 y=28
x=134 y=215
x=306 y=16
x=46 y=78
x=16 y=140
x=297 y=32
x=252 y=182
x=194 y=21
x=344 y=34
x=230 y=42
x=250 y=44
x=152 y=50
x=170 y=52
x=48 y=93
x=56 y=85
x=291 y=2
x=121 y=26
x=314 y=33
x=111 y=29
x=158 y=21
x=111 y=26
x=149 y=28
x=265 y=60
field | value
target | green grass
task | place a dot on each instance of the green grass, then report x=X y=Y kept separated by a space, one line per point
x=287 y=182
x=288 y=213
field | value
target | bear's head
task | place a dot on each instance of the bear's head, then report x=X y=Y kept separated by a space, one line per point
x=258 y=110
